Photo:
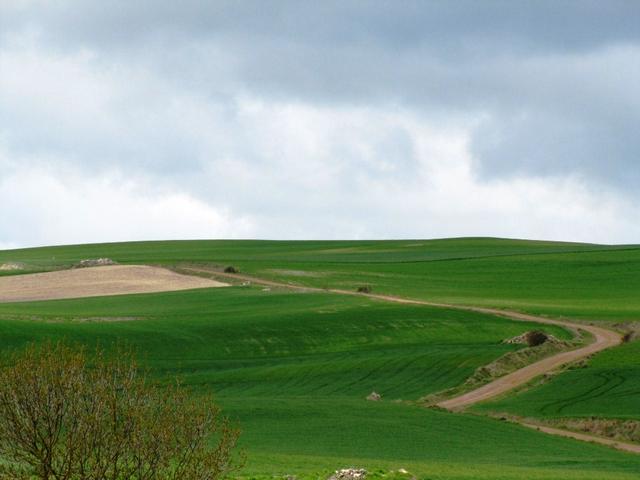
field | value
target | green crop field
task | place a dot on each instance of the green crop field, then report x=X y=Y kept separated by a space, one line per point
x=567 y=279
x=294 y=368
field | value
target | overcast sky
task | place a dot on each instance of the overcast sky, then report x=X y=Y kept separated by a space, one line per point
x=152 y=119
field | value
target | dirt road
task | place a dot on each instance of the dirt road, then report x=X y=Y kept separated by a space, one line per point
x=97 y=281
x=603 y=339
x=127 y=279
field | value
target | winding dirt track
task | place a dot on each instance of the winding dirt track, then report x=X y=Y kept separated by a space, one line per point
x=126 y=279
x=603 y=339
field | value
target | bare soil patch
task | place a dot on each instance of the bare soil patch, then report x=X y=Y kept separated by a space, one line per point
x=97 y=281
x=624 y=430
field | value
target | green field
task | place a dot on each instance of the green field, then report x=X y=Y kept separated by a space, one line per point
x=609 y=388
x=564 y=279
x=294 y=368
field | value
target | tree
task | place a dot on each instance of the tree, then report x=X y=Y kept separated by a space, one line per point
x=65 y=417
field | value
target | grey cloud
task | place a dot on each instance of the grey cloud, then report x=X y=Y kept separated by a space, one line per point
x=555 y=25
x=540 y=145
x=539 y=74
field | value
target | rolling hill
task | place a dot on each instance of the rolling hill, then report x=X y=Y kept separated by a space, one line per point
x=294 y=368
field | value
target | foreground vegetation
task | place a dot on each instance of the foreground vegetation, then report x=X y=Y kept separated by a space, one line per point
x=67 y=416
x=295 y=368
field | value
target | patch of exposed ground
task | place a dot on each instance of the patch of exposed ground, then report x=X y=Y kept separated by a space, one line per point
x=613 y=428
x=97 y=281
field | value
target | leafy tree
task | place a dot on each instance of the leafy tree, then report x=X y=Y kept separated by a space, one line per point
x=64 y=417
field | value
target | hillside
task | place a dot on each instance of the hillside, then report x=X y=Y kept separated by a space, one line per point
x=294 y=368
x=575 y=280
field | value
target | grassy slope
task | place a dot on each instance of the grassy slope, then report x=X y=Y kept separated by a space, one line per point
x=324 y=386
x=294 y=368
x=244 y=339
x=574 y=280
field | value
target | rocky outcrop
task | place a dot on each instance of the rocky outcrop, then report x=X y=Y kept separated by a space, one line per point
x=374 y=397
x=349 y=474
x=94 y=262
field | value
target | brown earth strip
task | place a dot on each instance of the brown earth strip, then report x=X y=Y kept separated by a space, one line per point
x=603 y=339
x=97 y=281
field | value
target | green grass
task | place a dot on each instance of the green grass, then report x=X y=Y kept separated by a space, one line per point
x=248 y=341
x=563 y=279
x=294 y=368
x=610 y=388
x=428 y=443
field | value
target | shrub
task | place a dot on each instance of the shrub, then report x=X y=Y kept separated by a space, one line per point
x=65 y=419
x=364 y=289
x=535 y=338
x=230 y=269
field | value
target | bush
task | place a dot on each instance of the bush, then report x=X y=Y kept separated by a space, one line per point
x=364 y=289
x=230 y=269
x=535 y=338
x=628 y=336
x=63 y=418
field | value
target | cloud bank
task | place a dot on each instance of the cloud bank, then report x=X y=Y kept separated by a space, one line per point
x=138 y=120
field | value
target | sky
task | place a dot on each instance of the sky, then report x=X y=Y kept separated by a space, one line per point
x=159 y=119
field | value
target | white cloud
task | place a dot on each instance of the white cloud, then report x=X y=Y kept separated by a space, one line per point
x=40 y=208
x=100 y=148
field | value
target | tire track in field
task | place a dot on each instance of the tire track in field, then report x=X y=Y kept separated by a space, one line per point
x=609 y=383
x=603 y=339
